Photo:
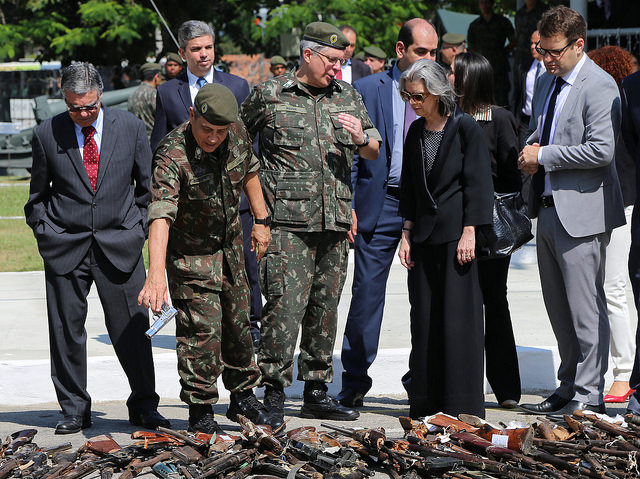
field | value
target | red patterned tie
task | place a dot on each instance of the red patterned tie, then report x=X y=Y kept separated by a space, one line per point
x=90 y=155
x=339 y=74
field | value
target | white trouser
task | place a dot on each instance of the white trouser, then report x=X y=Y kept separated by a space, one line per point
x=615 y=287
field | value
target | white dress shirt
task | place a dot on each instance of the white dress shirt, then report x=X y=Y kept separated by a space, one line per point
x=346 y=72
x=530 y=83
x=193 y=85
x=96 y=136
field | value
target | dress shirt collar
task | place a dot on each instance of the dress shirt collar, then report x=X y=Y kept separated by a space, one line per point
x=96 y=124
x=570 y=77
x=193 y=79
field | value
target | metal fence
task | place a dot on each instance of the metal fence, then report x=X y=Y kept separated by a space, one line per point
x=627 y=38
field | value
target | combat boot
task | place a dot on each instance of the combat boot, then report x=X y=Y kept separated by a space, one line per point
x=201 y=419
x=318 y=405
x=247 y=404
x=274 y=401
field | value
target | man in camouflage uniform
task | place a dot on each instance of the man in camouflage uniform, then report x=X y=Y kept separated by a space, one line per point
x=174 y=65
x=199 y=170
x=142 y=102
x=310 y=125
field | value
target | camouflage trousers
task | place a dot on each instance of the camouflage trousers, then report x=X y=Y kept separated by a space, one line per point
x=213 y=338
x=301 y=276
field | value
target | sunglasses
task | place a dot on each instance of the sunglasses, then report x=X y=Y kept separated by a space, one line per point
x=332 y=60
x=417 y=97
x=553 y=53
x=87 y=108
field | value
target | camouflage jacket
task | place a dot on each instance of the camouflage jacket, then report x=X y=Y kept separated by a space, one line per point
x=306 y=154
x=200 y=194
x=142 y=103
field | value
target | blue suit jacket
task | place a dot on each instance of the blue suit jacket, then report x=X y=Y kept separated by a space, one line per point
x=369 y=178
x=174 y=99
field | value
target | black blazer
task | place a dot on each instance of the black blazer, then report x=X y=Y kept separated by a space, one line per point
x=630 y=93
x=174 y=99
x=459 y=190
x=66 y=215
x=520 y=89
x=359 y=69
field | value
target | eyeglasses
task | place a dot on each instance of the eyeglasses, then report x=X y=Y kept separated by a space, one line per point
x=88 y=108
x=417 y=97
x=332 y=60
x=553 y=53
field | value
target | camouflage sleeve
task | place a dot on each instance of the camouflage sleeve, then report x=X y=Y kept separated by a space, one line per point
x=165 y=189
x=252 y=112
x=367 y=124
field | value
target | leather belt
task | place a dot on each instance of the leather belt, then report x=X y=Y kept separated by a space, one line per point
x=393 y=191
x=546 y=201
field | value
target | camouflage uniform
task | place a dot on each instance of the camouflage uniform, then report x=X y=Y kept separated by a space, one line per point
x=142 y=103
x=200 y=193
x=305 y=175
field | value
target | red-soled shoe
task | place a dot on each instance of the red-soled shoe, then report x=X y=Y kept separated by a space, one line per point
x=624 y=398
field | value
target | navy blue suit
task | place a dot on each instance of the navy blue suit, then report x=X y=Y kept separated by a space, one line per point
x=379 y=231
x=631 y=136
x=172 y=109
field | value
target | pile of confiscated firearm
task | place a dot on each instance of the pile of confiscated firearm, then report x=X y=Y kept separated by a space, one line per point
x=440 y=446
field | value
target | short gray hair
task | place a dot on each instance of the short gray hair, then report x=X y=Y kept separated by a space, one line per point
x=193 y=29
x=435 y=81
x=310 y=44
x=80 y=78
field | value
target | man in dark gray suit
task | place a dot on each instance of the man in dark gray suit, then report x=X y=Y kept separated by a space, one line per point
x=87 y=207
x=576 y=196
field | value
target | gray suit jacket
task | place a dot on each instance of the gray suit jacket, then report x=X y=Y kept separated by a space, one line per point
x=580 y=162
x=66 y=215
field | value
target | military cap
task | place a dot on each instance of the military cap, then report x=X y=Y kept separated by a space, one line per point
x=216 y=104
x=375 y=52
x=326 y=34
x=174 y=57
x=278 y=60
x=453 y=38
x=149 y=67
x=359 y=56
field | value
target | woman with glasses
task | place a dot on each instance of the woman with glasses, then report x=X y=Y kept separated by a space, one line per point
x=474 y=85
x=445 y=193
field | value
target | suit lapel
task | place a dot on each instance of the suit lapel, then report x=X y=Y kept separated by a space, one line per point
x=385 y=98
x=71 y=148
x=107 y=144
x=572 y=99
x=183 y=91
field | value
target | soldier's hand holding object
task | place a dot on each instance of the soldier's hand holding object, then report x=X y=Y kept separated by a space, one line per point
x=353 y=126
x=260 y=239
x=154 y=292
x=528 y=159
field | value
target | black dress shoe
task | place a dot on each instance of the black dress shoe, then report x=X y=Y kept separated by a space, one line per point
x=350 y=398
x=552 y=404
x=148 y=419
x=73 y=424
x=574 y=405
x=318 y=405
x=246 y=404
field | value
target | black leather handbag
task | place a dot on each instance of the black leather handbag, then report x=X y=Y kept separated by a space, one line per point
x=510 y=230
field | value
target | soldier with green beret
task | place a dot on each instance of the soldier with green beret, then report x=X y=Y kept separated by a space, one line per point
x=199 y=170
x=375 y=57
x=310 y=125
x=142 y=102
x=278 y=65
x=452 y=44
x=173 y=66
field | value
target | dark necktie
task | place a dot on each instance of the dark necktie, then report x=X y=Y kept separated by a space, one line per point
x=538 y=178
x=90 y=155
x=201 y=82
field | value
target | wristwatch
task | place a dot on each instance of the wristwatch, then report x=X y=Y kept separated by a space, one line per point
x=366 y=140
x=263 y=221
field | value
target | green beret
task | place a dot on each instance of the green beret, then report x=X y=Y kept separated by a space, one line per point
x=149 y=67
x=375 y=52
x=216 y=104
x=278 y=60
x=326 y=34
x=174 y=57
x=453 y=38
x=359 y=56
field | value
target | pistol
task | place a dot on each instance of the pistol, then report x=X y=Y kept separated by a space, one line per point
x=160 y=320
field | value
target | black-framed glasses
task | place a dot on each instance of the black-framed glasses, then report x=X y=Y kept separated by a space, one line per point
x=553 y=53
x=332 y=60
x=88 y=108
x=417 y=97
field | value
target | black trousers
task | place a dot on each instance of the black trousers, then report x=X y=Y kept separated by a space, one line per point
x=446 y=361
x=503 y=373
x=126 y=323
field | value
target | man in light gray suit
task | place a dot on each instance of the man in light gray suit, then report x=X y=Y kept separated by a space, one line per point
x=576 y=196
x=87 y=207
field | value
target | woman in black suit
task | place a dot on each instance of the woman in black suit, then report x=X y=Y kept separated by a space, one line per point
x=445 y=193
x=474 y=85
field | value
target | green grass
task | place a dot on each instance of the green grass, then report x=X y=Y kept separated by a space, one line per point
x=13 y=198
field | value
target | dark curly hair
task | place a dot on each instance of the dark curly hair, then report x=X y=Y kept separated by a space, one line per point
x=616 y=61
